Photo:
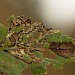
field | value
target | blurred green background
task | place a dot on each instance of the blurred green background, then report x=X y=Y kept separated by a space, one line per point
x=32 y=8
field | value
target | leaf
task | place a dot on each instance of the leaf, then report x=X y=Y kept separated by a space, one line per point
x=58 y=58
x=59 y=37
x=47 y=45
x=64 y=60
x=11 y=18
x=59 y=61
x=56 y=64
x=3 y=32
x=10 y=65
x=45 y=62
x=17 y=29
x=27 y=58
x=8 y=42
x=66 y=38
x=24 y=38
x=40 y=68
x=56 y=37
x=38 y=54
x=37 y=70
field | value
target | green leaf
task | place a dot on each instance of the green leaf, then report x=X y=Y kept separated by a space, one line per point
x=7 y=42
x=47 y=45
x=11 y=18
x=38 y=54
x=58 y=37
x=24 y=38
x=17 y=29
x=56 y=64
x=66 y=38
x=10 y=65
x=64 y=60
x=45 y=62
x=3 y=32
x=41 y=68
x=59 y=61
x=27 y=58
x=37 y=70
